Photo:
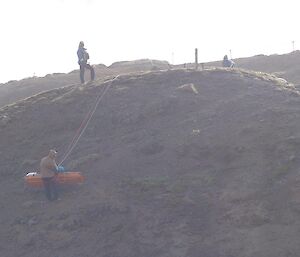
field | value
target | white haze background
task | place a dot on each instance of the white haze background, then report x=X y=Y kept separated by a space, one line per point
x=41 y=36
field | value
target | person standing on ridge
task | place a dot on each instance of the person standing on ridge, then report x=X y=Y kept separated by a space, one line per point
x=48 y=170
x=83 y=57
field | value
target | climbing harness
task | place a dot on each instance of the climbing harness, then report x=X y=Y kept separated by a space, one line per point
x=86 y=121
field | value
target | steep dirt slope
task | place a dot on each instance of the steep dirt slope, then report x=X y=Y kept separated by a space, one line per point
x=172 y=168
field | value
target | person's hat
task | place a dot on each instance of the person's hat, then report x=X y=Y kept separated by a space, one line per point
x=52 y=152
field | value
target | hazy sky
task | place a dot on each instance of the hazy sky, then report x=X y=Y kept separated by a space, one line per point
x=41 y=36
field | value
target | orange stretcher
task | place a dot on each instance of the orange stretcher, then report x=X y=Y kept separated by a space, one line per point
x=33 y=179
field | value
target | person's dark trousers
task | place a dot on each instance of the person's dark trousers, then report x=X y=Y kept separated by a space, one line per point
x=84 y=66
x=50 y=189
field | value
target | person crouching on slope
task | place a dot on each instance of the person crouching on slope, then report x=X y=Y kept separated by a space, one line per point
x=228 y=63
x=83 y=57
x=48 y=169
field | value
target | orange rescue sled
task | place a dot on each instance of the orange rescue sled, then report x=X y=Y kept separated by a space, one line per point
x=33 y=179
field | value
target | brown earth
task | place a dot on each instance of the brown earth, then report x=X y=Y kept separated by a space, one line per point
x=177 y=163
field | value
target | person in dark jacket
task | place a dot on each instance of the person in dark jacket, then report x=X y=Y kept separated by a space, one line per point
x=83 y=57
x=227 y=62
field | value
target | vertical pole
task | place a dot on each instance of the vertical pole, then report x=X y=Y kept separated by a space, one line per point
x=293 y=43
x=196 y=58
x=230 y=54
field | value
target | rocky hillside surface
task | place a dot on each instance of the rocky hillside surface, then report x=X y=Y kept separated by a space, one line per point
x=177 y=163
x=17 y=90
x=286 y=66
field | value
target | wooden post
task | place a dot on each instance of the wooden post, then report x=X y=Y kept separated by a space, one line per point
x=196 y=58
